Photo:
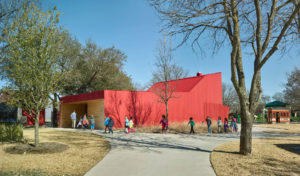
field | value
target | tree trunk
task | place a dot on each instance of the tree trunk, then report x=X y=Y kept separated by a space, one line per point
x=246 y=131
x=36 y=129
x=167 y=112
x=55 y=110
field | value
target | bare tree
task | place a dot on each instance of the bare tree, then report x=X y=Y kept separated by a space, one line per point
x=292 y=88
x=278 y=96
x=230 y=97
x=261 y=27
x=166 y=70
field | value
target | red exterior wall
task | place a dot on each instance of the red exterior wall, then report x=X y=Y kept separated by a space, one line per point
x=30 y=120
x=203 y=99
x=196 y=97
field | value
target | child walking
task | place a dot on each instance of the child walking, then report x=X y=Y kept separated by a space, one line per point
x=219 y=125
x=92 y=122
x=106 y=123
x=163 y=123
x=131 y=126
x=192 y=124
x=126 y=125
x=208 y=122
x=110 y=125
x=232 y=124
x=226 y=125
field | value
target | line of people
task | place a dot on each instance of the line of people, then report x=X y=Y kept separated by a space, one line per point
x=85 y=122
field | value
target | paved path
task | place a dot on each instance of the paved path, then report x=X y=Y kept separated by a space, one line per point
x=141 y=154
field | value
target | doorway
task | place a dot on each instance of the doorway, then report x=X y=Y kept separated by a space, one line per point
x=277 y=117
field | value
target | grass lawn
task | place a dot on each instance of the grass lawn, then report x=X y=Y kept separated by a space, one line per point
x=68 y=153
x=276 y=156
x=291 y=128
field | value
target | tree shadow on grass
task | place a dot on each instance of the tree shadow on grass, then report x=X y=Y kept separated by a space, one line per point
x=295 y=148
x=42 y=148
x=223 y=151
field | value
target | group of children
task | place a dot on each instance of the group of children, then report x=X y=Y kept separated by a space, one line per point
x=85 y=122
x=129 y=125
x=109 y=123
x=233 y=125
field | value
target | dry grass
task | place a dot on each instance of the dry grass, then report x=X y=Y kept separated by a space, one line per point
x=177 y=128
x=276 y=156
x=291 y=128
x=83 y=152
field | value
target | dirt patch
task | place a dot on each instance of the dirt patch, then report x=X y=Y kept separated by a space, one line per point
x=81 y=151
x=275 y=156
x=42 y=148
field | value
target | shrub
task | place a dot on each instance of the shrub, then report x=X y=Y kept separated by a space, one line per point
x=11 y=131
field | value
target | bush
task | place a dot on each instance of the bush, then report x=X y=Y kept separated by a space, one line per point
x=11 y=131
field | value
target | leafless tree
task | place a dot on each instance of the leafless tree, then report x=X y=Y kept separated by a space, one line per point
x=292 y=88
x=259 y=26
x=230 y=97
x=278 y=96
x=166 y=70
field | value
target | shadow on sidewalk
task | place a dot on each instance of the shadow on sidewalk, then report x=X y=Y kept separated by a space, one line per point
x=148 y=144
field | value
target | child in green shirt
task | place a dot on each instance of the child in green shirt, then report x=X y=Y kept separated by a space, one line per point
x=192 y=123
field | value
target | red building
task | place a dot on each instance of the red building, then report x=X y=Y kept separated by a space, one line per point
x=31 y=120
x=278 y=112
x=196 y=97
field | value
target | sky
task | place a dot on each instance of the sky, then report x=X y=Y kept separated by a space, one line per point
x=133 y=27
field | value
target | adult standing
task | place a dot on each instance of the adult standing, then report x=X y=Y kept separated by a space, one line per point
x=208 y=122
x=73 y=118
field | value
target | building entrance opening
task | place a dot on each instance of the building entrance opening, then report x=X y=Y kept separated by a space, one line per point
x=88 y=108
x=277 y=117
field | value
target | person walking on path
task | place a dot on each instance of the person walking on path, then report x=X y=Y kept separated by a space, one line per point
x=232 y=125
x=92 y=122
x=126 y=125
x=163 y=123
x=226 y=125
x=219 y=125
x=110 y=125
x=235 y=124
x=208 y=122
x=192 y=124
x=131 y=124
x=106 y=123
x=73 y=118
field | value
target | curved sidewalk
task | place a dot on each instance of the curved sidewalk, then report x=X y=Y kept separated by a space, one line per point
x=141 y=154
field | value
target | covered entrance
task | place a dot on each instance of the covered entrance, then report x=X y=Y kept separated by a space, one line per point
x=90 y=107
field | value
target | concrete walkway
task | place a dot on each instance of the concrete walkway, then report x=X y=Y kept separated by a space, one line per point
x=141 y=154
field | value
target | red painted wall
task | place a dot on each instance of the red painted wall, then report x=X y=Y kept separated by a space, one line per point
x=197 y=100
x=30 y=120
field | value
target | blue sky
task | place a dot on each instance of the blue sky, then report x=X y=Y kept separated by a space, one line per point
x=132 y=26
